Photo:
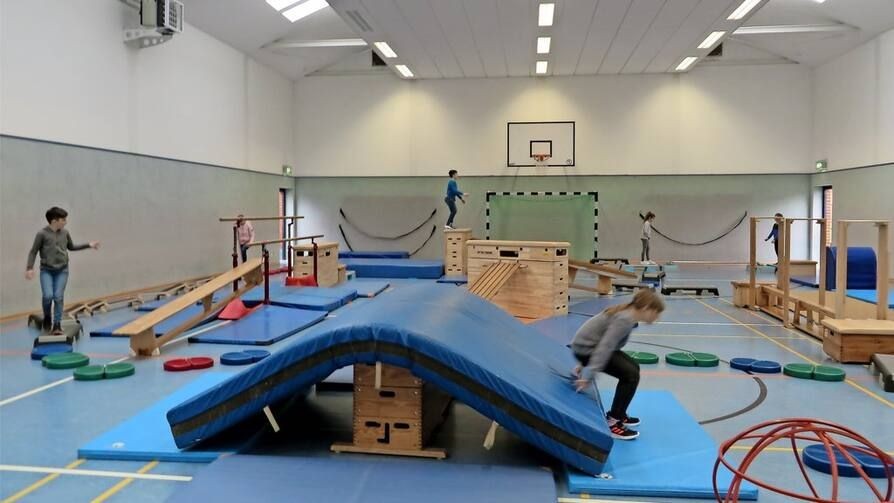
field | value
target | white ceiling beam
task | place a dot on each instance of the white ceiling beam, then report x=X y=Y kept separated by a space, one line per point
x=793 y=28
x=309 y=44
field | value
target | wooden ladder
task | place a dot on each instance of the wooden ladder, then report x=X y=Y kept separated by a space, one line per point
x=488 y=285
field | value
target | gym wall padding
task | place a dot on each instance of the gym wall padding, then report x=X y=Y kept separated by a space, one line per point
x=455 y=340
x=545 y=218
x=156 y=218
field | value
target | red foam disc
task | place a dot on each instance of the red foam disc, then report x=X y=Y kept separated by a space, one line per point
x=201 y=362
x=177 y=365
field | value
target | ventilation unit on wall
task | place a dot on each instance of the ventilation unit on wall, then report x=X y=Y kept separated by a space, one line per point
x=159 y=21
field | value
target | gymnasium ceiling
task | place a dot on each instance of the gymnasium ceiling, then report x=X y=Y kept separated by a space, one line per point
x=497 y=38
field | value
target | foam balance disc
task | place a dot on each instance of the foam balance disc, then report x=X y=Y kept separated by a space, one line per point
x=177 y=365
x=693 y=359
x=257 y=354
x=118 y=370
x=816 y=457
x=741 y=363
x=828 y=374
x=49 y=349
x=799 y=370
x=642 y=357
x=766 y=367
x=201 y=362
x=89 y=373
x=236 y=358
x=65 y=360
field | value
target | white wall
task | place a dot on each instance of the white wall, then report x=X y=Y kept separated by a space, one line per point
x=67 y=76
x=753 y=119
x=854 y=106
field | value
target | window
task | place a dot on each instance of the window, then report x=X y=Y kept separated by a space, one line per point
x=827 y=215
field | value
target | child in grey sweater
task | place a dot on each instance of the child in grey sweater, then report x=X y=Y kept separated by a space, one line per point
x=597 y=346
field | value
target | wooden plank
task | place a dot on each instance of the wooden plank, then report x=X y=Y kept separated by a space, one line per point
x=865 y=327
x=822 y=261
x=841 y=270
x=782 y=272
x=534 y=244
x=882 y=272
x=599 y=269
x=752 y=262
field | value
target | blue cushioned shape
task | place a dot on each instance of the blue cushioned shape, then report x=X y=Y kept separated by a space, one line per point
x=860 y=267
x=373 y=254
x=264 y=326
x=395 y=268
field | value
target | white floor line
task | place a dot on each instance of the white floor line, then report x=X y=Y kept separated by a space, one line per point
x=93 y=473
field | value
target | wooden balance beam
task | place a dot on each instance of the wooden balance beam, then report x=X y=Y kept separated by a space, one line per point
x=142 y=330
x=604 y=276
x=488 y=285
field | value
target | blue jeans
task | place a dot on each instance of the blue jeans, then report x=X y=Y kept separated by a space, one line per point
x=244 y=250
x=52 y=287
x=451 y=203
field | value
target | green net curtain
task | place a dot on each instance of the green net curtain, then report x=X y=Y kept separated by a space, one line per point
x=545 y=218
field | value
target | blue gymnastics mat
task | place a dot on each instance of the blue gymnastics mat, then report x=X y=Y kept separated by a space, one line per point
x=395 y=268
x=443 y=335
x=373 y=254
x=593 y=307
x=147 y=436
x=343 y=294
x=160 y=329
x=673 y=456
x=369 y=287
x=242 y=478
x=456 y=280
x=560 y=328
x=263 y=327
x=871 y=296
x=300 y=298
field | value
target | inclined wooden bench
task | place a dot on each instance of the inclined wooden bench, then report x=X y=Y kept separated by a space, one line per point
x=605 y=275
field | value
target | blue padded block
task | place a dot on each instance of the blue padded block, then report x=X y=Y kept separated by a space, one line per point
x=155 y=304
x=236 y=358
x=303 y=301
x=395 y=268
x=673 y=456
x=256 y=295
x=860 y=267
x=871 y=296
x=444 y=335
x=373 y=254
x=766 y=367
x=560 y=328
x=369 y=287
x=343 y=294
x=242 y=478
x=257 y=354
x=160 y=329
x=49 y=349
x=456 y=280
x=147 y=436
x=266 y=325
x=816 y=457
x=741 y=363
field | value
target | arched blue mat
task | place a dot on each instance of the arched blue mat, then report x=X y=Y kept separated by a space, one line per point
x=457 y=341
x=861 y=267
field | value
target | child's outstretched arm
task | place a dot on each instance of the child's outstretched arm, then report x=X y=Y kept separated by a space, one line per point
x=74 y=247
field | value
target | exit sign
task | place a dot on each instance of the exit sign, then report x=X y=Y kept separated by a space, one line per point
x=821 y=165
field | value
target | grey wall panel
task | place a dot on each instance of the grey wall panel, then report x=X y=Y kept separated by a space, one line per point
x=156 y=218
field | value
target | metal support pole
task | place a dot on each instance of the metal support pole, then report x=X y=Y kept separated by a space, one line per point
x=266 y=255
x=235 y=255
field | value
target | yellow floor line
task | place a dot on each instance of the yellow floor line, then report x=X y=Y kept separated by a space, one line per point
x=123 y=483
x=790 y=350
x=759 y=315
x=40 y=483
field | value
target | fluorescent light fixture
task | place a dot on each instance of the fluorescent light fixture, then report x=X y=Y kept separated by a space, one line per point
x=686 y=63
x=743 y=9
x=385 y=49
x=545 y=14
x=819 y=1
x=404 y=70
x=711 y=39
x=541 y=67
x=543 y=44
x=281 y=4
x=304 y=9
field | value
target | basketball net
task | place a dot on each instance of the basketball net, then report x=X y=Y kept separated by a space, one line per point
x=540 y=160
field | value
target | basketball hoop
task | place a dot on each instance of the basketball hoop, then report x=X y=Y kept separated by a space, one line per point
x=540 y=159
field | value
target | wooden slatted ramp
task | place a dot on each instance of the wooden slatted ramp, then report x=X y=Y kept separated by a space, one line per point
x=488 y=285
x=142 y=330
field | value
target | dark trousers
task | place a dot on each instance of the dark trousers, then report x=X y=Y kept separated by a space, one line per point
x=451 y=204
x=625 y=369
x=776 y=248
x=645 y=253
x=244 y=250
x=52 y=287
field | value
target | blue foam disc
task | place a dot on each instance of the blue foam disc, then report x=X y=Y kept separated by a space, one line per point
x=49 y=349
x=236 y=358
x=815 y=456
x=741 y=363
x=766 y=367
x=257 y=354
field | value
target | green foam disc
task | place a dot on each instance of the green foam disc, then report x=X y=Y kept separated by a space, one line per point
x=680 y=359
x=65 y=360
x=89 y=373
x=116 y=370
x=705 y=359
x=829 y=374
x=799 y=370
x=642 y=357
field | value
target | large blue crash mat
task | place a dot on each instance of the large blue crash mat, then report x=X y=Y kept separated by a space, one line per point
x=457 y=341
x=395 y=268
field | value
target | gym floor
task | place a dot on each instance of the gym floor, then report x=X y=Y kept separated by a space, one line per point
x=45 y=416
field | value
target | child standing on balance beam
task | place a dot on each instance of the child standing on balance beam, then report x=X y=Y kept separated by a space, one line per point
x=597 y=346
x=453 y=193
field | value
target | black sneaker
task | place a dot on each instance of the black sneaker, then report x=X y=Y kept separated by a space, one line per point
x=628 y=421
x=57 y=329
x=620 y=432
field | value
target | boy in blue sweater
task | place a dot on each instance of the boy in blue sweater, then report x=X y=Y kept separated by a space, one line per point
x=453 y=193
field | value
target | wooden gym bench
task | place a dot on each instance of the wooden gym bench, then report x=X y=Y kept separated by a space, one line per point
x=696 y=289
x=605 y=275
x=142 y=330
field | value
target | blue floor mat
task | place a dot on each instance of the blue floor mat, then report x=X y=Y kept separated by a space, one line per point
x=560 y=328
x=277 y=478
x=369 y=287
x=673 y=456
x=456 y=280
x=810 y=281
x=593 y=307
x=343 y=294
x=263 y=327
x=395 y=268
x=310 y=298
x=373 y=254
x=147 y=436
x=160 y=329
x=871 y=296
